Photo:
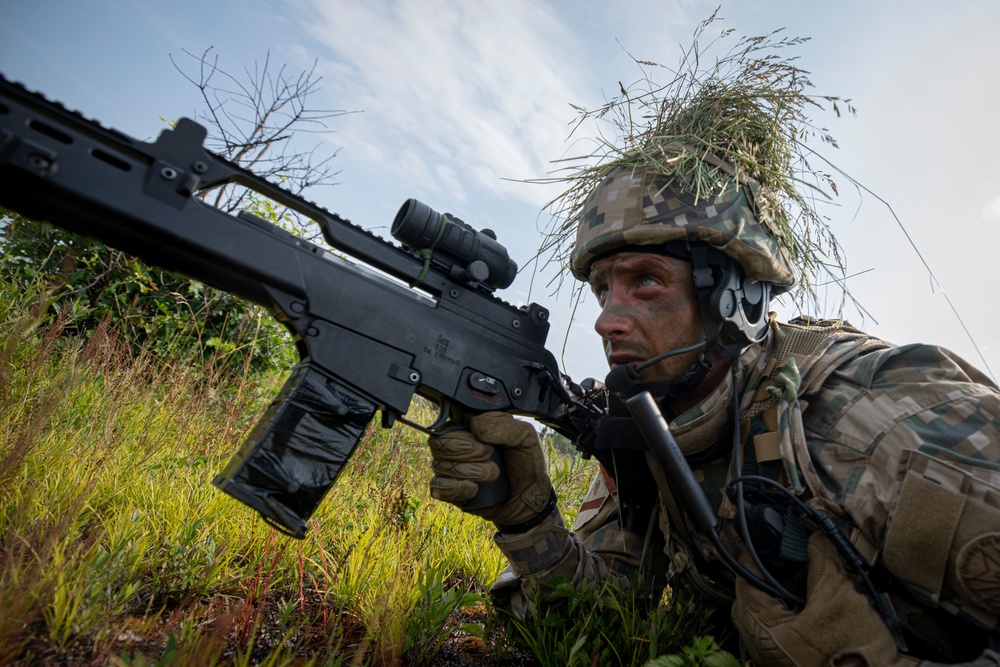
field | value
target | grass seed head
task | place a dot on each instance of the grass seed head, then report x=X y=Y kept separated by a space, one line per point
x=741 y=115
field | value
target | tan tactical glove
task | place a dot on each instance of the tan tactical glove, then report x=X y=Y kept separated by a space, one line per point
x=837 y=626
x=462 y=461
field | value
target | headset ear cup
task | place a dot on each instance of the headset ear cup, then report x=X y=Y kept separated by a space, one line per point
x=725 y=301
x=737 y=306
x=734 y=308
x=755 y=301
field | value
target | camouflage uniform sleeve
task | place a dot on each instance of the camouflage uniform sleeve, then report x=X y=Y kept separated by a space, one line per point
x=595 y=550
x=907 y=443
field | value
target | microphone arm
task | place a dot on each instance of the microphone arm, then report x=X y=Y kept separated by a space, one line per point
x=623 y=378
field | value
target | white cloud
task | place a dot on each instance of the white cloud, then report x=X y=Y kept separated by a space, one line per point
x=460 y=95
x=991 y=212
x=465 y=85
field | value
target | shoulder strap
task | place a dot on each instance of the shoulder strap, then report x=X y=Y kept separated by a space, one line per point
x=817 y=349
x=802 y=355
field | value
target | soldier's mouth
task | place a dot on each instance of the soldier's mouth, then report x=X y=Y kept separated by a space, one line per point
x=616 y=360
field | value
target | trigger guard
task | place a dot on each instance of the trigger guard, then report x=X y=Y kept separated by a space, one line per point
x=442 y=420
x=440 y=426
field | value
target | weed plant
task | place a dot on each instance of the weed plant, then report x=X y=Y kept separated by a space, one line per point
x=116 y=549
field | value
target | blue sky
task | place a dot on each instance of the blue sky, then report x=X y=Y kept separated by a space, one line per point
x=462 y=100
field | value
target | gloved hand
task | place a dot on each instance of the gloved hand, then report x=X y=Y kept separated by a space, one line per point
x=462 y=461
x=837 y=626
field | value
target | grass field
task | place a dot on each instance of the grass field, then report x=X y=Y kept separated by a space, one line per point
x=116 y=549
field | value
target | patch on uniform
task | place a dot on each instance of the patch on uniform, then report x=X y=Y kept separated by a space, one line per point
x=978 y=567
x=601 y=488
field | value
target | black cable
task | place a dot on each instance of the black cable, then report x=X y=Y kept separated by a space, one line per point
x=752 y=578
x=653 y=427
x=850 y=553
x=790 y=598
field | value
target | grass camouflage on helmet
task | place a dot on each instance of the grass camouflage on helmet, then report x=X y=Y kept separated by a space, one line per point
x=717 y=154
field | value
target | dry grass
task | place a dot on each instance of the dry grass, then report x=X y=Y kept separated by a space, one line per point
x=116 y=549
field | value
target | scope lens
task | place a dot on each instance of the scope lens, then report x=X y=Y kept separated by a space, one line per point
x=416 y=225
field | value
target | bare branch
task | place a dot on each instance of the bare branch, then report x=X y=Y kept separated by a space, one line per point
x=254 y=121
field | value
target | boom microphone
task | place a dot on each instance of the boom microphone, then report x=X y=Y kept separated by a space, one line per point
x=623 y=378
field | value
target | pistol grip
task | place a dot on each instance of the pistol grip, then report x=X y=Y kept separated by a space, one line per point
x=294 y=453
x=491 y=493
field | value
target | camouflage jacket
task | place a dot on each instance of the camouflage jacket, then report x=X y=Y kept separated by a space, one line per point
x=901 y=445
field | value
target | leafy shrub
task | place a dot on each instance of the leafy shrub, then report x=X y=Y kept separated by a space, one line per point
x=153 y=309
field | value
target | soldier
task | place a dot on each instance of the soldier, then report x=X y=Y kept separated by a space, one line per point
x=900 y=446
x=855 y=484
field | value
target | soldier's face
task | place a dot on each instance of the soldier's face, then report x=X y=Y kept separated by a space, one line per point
x=648 y=306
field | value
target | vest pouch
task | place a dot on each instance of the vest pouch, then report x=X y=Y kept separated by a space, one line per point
x=943 y=535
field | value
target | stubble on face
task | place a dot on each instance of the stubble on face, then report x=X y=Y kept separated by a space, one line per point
x=648 y=306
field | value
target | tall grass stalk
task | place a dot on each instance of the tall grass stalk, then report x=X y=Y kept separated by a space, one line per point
x=114 y=546
x=116 y=549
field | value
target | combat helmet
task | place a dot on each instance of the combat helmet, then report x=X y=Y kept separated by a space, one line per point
x=736 y=264
x=632 y=207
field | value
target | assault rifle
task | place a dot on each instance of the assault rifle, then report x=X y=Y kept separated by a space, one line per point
x=372 y=329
